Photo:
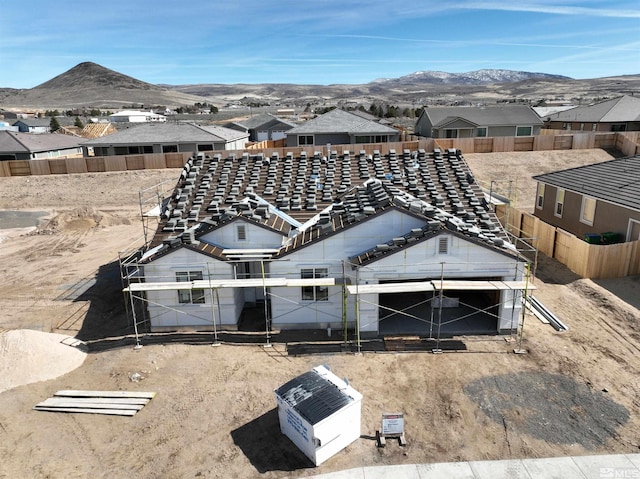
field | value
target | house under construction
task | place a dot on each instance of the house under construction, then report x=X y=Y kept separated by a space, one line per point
x=383 y=244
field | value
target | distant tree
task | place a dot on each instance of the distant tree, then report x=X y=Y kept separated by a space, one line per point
x=52 y=113
x=408 y=112
x=213 y=110
x=78 y=123
x=53 y=124
x=95 y=112
x=392 y=112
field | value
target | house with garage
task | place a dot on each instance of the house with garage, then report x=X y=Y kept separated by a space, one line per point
x=33 y=125
x=599 y=203
x=263 y=127
x=339 y=127
x=478 y=122
x=617 y=114
x=166 y=138
x=382 y=244
x=29 y=146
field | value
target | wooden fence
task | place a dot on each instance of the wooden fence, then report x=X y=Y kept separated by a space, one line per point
x=628 y=143
x=585 y=259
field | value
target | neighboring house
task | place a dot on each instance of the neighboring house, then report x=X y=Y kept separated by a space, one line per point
x=28 y=146
x=346 y=241
x=339 y=127
x=599 y=202
x=33 y=125
x=472 y=122
x=136 y=116
x=6 y=126
x=618 y=114
x=167 y=138
x=263 y=127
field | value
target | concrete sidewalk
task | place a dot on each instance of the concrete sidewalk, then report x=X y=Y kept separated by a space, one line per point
x=571 y=467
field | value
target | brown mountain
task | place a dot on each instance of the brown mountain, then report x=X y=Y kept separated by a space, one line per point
x=91 y=85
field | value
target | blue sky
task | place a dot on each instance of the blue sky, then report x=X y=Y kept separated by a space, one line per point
x=315 y=41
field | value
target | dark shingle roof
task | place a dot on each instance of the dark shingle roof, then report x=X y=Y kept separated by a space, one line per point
x=485 y=116
x=615 y=181
x=152 y=133
x=340 y=121
x=622 y=109
x=13 y=142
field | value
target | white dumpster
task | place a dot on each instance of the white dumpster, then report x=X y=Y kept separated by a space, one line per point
x=320 y=413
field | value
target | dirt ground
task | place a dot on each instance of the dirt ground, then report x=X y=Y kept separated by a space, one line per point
x=574 y=392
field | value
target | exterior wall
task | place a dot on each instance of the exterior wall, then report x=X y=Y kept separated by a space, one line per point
x=589 y=126
x=466 y=260
x=424 y=126
x=257 y=237
x=165 y=312
x=608 y=217
x=289 y=311
x=57 y=153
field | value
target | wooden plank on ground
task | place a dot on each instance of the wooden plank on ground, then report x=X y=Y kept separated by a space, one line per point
x=87 y=405
x=112 y=412
x=86 y=400
x=106 y=394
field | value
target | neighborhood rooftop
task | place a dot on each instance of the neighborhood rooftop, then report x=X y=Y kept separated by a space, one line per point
x=615 y=181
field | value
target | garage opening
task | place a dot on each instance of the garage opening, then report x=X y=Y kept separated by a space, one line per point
x=428 y=314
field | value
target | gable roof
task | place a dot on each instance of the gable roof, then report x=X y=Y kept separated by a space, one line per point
x=485 y=116
x=13 y=142
x=621 y=109
x=340 y=121
x=152 y=133
x=34 y=122
x=615 y=181
x=307 y=199
x=262 y=120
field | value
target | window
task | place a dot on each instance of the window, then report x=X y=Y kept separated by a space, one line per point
x=566 y=126
x=305 y=139
x=363 y=139
x=588 y=212
x=169 y=148
x=314 y=293
x=482 y=132
x=208 y=147
x=619 y=127
x=594 y=126
x=540 y=196
x=241 y=232
x=523 y=130
x=451 y=133
x=121 y=150
x=189 y=296
x=559 y=202
x=443 y=245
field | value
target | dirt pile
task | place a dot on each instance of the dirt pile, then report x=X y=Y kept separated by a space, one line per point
x=28 y=356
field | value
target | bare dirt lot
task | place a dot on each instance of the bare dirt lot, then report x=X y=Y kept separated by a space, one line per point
x=574 y=392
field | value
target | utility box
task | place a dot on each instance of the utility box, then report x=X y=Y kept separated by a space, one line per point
x=320 y=413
